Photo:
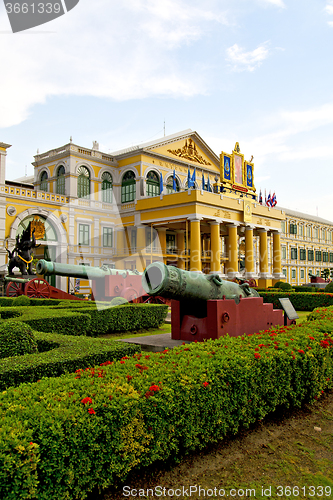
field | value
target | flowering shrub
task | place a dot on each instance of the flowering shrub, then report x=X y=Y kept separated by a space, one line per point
x=91 y=428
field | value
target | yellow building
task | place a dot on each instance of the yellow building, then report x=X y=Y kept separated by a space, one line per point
x=137 y=205
x=306 y=246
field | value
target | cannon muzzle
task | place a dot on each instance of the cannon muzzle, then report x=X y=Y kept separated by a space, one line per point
x=80 y=271
x=173 y=283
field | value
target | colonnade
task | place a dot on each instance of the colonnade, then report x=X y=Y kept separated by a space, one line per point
x=231 y=245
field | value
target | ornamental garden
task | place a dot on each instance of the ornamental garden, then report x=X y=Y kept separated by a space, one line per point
x=81 y=412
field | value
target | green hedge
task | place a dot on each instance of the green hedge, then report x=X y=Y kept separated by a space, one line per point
x=301 y=301
x=69 y=322
x=88 y=319
x=124 y=318
x=9 y=301
x=59 y=354
x=64 y=437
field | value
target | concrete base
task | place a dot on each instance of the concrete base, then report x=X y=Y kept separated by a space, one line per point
x=155 y=343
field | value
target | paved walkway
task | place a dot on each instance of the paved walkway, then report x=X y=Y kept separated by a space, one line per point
x=155 y=343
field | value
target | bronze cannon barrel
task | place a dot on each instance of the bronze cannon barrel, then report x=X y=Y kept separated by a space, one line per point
x=173 y=283
x=79 y=271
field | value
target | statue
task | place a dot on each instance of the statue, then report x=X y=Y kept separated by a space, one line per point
x=22 y=254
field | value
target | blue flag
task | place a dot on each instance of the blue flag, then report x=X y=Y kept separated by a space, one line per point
x=189 y=182
x=208 y=186
x=193 y=178
x=174 y=185
x=161 y=184
x=203 y=182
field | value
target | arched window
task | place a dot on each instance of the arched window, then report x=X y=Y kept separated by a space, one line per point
x=128 y=187
x=60 y=189
x=153 y=184
x=169 y=185
x=83 y=182
x=49 y=231
x=106 y=187
x=43 y=181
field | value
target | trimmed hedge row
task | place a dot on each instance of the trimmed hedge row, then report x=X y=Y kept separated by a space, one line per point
x=10 y=301
x=301 y=301
x=58 y=354
x=68 y=322
x=151 y=407
x=89 y=320
x=125 y=318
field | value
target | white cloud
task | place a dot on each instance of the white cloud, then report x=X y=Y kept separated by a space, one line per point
x=277 y=3
x=123 y=50
x=247 y=61
x=329 y=7
x=329 y=10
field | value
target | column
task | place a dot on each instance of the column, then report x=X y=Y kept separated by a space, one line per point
x=195 y=245
x=263 y=257
x=277 y=271
x=181 y=248
x=232 y=264
x=249 y=258
x=140 y=248
x=264 y=280
x=119 y=262
x=162 y=239
x=215 y=250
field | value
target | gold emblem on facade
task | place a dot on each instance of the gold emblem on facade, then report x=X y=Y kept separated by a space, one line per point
x=189 y=152
x=39 y=227
x=247 y=211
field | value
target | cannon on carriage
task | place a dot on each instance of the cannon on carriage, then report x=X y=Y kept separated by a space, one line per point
x=206 y=306
x=106 y=283
x=34 y=287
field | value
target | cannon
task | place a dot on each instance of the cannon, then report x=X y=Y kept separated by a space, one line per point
x=206 y=306
x=107 y=283
x=34 y=287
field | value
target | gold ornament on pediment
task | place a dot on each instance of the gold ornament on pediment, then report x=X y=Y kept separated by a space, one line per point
x=189 y=152
x=237 y=148
x=39 y=227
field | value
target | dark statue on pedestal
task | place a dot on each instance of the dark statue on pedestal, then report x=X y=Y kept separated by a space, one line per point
x=22 y=254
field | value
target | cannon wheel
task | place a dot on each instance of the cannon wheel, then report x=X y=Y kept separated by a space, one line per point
x=14 y=289
x=37 y=288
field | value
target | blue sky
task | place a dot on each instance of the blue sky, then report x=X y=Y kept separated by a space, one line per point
x=258 y=72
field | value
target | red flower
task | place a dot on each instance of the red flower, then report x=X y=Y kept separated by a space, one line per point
x=129 y=377
x=91 y=411
x=311 y=338
x=86 y=400
x=154 y=388
x=205 y=384
x=324 y=343
x=257 y=356
x=301 y=351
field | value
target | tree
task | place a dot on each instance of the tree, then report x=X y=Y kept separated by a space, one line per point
x=325 y=273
